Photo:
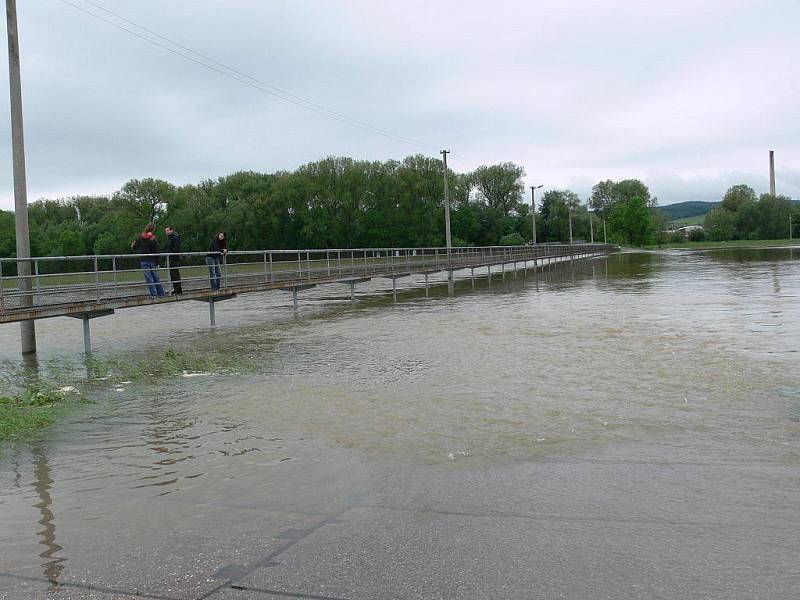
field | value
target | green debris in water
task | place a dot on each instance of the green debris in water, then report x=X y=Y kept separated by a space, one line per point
x=167 y=363
x=33 y=408
x=28 y=409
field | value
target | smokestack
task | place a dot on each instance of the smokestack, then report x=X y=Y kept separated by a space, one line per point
x=772 y=172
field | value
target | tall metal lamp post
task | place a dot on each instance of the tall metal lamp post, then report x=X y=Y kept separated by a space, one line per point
x=533 y=211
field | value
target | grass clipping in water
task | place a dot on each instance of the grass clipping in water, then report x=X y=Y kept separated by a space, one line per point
x=33 y=409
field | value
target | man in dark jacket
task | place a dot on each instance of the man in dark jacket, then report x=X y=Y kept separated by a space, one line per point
x=147 y=245
x=174 y=260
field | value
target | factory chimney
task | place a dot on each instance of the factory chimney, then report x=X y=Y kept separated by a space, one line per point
x=772 y=172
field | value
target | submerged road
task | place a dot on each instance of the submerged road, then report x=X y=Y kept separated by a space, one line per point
x=621 y=428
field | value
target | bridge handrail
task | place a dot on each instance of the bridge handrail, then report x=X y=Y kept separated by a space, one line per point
x=109 y=278
x=133 y=255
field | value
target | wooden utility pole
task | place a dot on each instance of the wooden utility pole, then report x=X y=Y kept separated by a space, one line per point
x=28 y=329
x=570 y=225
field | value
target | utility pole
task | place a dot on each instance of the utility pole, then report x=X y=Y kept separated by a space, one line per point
x=449 y=241
x=446 y=203
x=790 y=227
x=533 y=210
x=605 y=238
x=591 y=227
x=570 y=226
x=28 y=329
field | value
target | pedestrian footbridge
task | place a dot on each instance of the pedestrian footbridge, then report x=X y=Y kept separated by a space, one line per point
x=87 y=287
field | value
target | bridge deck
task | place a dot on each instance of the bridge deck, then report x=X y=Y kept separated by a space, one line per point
x=60 y=292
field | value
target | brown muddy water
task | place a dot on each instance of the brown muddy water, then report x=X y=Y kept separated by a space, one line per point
x=626 y=426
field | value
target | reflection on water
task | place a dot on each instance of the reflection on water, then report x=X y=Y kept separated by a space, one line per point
x=53 y=565
x=673 y=346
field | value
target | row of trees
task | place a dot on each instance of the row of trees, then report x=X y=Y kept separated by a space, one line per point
x=336 y=203
x=743 y=216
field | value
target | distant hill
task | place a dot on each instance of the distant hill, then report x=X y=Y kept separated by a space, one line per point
x=684 y=210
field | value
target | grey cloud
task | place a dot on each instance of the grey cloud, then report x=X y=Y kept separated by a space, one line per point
x=687 y=97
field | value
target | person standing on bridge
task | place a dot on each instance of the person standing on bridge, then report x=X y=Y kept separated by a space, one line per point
x=216 y=251
x=174 y=260
x=147 y=245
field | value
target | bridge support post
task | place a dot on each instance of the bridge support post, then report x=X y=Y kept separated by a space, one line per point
x=85 y=317
x=295 y=303
x=426 y=285
x=472 y=276
x=515 y=270
x=212 y=300
x=352 y=283
x=87 y=336
x=394 y=289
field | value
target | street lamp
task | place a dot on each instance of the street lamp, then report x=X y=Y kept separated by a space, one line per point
x=533 y=210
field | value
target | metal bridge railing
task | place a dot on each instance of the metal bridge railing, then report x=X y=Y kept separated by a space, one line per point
x=59 y=280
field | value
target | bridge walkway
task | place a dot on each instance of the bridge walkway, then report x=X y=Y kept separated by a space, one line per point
x=87 y=287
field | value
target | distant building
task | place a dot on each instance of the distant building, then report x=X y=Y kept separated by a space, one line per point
x=687 y=229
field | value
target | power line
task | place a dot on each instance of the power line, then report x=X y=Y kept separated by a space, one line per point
x=227 y=71
x=276 y=89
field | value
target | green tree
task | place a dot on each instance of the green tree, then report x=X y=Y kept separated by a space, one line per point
x=512 y=239
x=736 y=196
x=659 y=227
x=603 y=198
x=500 y=186
x=774 y=214
x=796 y=220
x=631 y=221
x=146 y=198
x=628 y=189
x=8 y=236
x=554 y=209
x=697 y=235
x=70 y=243
x=747 y=219
x=720 y=224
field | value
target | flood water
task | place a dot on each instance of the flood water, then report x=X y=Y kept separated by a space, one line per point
x=623 y=427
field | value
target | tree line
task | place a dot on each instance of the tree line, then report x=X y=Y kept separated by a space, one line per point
x=336 y=202
x=743 y=216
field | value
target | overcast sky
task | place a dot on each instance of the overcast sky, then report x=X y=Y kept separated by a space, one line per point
x=688 y=96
